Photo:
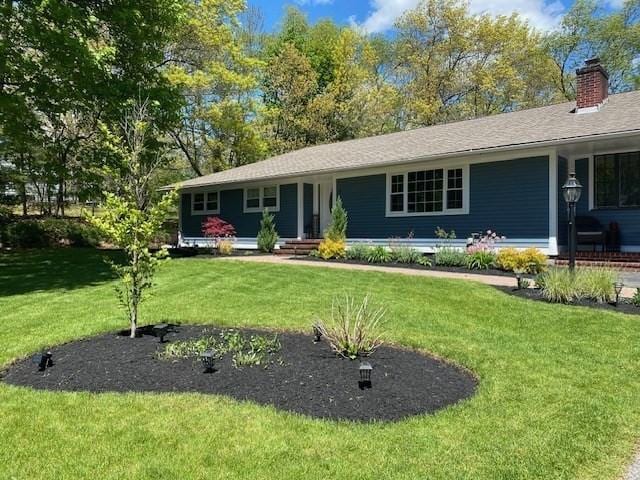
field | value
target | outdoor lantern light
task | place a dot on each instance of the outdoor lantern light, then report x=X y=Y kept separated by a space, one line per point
x=208 y=360
x=161 y=331
x=571 y=191
x=365 y=375
x=45 y=360
x=317 y=333
x=617 y=287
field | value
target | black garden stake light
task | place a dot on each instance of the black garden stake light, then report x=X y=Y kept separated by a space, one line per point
x=365 y=375
x=571 y=191
x=208 y=360
x=45 y=360
x=161 y=331
x=617 y=287
x=317 y=333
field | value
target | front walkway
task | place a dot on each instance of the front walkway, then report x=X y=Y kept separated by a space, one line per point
x=495 y=280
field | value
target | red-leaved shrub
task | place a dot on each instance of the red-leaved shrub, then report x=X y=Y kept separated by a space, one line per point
x=217 y=229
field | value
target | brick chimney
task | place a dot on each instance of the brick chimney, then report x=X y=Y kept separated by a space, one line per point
x=593 y=87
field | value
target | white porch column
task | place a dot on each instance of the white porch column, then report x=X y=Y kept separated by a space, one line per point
x=300 y=210
x=553 y=203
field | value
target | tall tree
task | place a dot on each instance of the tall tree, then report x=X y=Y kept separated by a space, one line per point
x=218 y=79
x=587 y=31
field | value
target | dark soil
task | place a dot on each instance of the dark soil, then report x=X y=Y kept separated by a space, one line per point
x=303 y=377
x=624 y=304
x=414 y=266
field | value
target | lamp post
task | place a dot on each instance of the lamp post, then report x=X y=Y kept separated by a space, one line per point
x=571 y=191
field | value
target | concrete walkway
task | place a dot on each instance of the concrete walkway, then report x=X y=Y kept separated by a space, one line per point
x=495 y=280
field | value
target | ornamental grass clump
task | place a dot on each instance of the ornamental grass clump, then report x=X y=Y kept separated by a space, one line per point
x=558 y=285
x=596 y=284
x=353 y=329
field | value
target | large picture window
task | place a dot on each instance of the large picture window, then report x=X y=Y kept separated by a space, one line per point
x=203 y=203
x=617 y=180
x=258 y=198
x=427 y=192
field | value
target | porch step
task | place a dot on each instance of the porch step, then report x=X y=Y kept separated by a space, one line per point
x=298 y=247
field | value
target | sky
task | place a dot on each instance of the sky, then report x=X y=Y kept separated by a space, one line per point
x=378 y=16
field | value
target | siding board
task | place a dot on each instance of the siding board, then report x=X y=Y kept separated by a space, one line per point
x=511 y=197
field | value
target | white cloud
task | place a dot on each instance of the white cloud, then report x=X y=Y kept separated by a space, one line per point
x=303 y=3
x=543 y=14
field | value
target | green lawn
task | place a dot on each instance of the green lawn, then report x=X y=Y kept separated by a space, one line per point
x=559 y=393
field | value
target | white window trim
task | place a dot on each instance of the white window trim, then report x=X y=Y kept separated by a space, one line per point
x=205 y=211
x=261 y=207
x=446 y=211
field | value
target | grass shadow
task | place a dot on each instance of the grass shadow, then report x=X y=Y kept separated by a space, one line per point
x=27 y=271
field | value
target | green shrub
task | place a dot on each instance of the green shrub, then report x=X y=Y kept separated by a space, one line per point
x=245 y=352
x=481 y=260
x=267 y=236
x=359 y=252
x=353 y=328
x=635 y=300
x=51 y=232
x=405 y=254
x=450 y=257
x=597 y=283
x=338 y=228
x=379 y=254
x=530 y=260
x=330 y=248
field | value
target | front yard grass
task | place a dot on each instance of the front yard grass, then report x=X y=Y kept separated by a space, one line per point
x=559 y=395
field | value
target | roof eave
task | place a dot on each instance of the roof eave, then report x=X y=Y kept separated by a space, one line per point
x=502 y=148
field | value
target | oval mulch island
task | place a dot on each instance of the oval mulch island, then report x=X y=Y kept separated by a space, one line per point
x=302 y=377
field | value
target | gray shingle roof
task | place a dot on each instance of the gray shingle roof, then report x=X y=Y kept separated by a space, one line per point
x=537 y=126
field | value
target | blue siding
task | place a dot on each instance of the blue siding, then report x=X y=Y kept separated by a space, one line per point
x=511 y=197
x=246 y=224
x=627 y=219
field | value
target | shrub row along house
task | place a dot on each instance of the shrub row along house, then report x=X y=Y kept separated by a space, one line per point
x=503 y=172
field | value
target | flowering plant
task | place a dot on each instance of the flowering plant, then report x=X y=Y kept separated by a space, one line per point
x=485 y=242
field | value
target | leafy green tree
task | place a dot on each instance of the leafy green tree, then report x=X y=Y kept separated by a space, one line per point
x=588 y=30
x=210 y=65
x=267 y=236
x=131 y=220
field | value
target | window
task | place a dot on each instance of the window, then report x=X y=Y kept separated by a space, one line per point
x=270 y=197
x=397 y=193
x=617 y=180
x=253 y=198
x=454 y=188
x=205 y=202
x=258 y=198
x=425 y=192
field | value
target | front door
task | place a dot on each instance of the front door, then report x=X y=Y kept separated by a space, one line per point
x=325 y=194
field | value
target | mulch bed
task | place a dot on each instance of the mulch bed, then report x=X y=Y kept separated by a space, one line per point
x=413 y=266
x=310 y=380
x=624 y=304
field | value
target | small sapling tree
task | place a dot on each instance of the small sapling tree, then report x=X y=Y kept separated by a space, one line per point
x=131 y=219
